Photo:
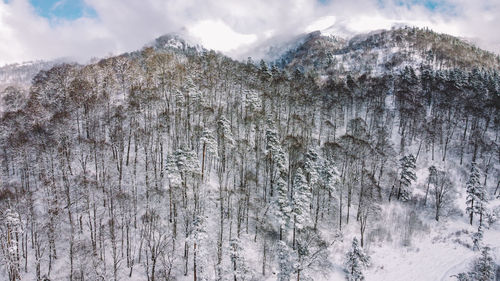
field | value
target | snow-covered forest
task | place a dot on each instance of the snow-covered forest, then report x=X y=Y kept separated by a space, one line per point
x=182 y=164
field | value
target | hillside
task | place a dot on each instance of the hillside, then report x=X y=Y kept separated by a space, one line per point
x=179 y=163
x=385 y=51
x=21 y=74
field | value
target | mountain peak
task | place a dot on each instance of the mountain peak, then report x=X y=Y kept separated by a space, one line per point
x=176 y=41
x=381 y=51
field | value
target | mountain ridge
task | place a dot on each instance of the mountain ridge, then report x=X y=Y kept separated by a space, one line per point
x=387 y=50
x=319 y=49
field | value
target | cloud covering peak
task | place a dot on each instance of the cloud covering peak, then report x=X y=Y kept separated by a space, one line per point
x=29 y=32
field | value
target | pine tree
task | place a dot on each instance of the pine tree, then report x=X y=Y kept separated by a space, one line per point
x=207 y=139
x=476 y=195
x=330 y=177
x=181 y=163
x=278 y=174
x=281 y=206
x=239 y=268
x=10 y=245
x=311 y=167
x=252 y=101
x=286 y=260
x=477 y=238
x=209 y=145
x=275 y=152
x=225 y=140
x=301 y=201
x=408 y=165
x=480 y=207
x=264 y=73
x=356 y=261
x=198 y=237
x=462 y=277
x=330 y=180
x=484 y=268
x=431 y=180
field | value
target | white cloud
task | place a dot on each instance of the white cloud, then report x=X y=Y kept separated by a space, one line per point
x=321 y=24
x=231 y=26
x=58 y=4
x=219 y=36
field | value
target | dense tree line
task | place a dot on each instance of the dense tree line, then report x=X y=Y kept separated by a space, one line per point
x=164 y=163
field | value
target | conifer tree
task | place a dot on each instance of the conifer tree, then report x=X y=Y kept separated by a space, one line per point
x=301 y=202
x=311 y=167
x=477 y=238
x=286 y=261
x=209 y=145
x=278 y=174
x=198 y=237
x=407 y=176
x=281 y=206
x=239 y=268
x=356 y=262
x=476 y=195
x=10 y=243
x=483 y=270
x=430 y=180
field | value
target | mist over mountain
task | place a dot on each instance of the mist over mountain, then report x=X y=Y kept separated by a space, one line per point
x=324 y=156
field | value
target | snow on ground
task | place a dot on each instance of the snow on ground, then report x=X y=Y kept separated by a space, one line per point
x=437 y=255
x=427 y=262
x=426 y=259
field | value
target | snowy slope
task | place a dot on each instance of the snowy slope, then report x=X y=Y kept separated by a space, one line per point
x=386 y=51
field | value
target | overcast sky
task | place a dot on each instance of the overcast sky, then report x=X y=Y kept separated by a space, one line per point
x=81 y=29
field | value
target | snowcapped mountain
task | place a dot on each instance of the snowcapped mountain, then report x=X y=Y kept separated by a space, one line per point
x=175 y=41
x=386 y=51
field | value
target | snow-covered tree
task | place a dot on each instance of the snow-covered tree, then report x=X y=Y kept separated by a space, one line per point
x=301 y=201
x=286 y=261
x=179 y=98
x=407 y=176
x=275 y=152
x=330 y=177
x=280 y=202
x=476 y=195
x=483 y=269
x=224 y=131
x=253 y=103
x=181 y=163
x=368 y=212
x=356 y=261
x=311 y=253
x=208 y=140
x=239 y=269
x=209 y=145
x=330 y=180
x=431 y=179
x=225 y=139
x=198 y=237
x=443 y=192
x=311 y=167
x=477 y=238
x=281 y=208
x=9 y=244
